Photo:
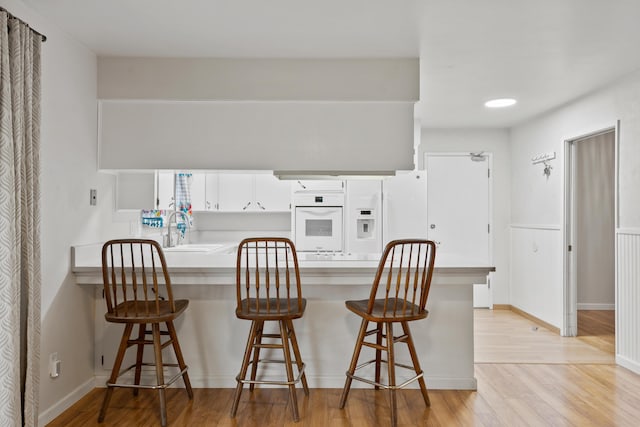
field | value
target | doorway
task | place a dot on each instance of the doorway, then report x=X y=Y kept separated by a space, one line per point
x=590 y=223
x=458 y=212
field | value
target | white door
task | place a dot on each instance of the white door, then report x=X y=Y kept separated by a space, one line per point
x=458 y=212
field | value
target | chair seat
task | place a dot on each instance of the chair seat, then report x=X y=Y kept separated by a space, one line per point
x=277 y=309
x=403 y=312
x=145 y=311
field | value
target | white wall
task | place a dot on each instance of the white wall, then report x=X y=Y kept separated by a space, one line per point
x=495 y=141
x=68 y=161
x=539 y=201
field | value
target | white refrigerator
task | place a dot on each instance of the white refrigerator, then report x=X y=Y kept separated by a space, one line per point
x=405 y=206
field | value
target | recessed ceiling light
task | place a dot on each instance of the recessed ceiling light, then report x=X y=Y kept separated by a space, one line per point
x=500 y=103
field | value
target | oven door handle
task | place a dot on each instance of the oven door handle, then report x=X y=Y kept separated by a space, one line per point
x=319 y=211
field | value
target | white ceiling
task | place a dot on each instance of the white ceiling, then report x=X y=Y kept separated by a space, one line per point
x=542 y=52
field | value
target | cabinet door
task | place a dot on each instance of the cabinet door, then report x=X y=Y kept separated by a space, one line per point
x=198 y=185
x=211 y=192
x=165 y=191
x=318 y=185
x=272 y=194
x=235 y=192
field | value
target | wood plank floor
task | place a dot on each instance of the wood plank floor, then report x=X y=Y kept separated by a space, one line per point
x=598 y=329
x=502 y=336
x=569 y=393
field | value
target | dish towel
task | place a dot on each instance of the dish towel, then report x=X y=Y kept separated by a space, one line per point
x=183 y=200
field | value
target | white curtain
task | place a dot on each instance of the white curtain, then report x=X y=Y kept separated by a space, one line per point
x=20 y=275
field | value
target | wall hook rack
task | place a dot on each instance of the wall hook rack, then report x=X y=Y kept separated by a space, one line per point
x=544 y=158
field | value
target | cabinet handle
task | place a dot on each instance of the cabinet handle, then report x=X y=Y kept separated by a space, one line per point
x=260 y=206
x=246 y=206
x=208 y=205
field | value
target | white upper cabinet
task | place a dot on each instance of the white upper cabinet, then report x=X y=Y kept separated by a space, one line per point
x=272 y=194
x=198 y=188
x=204 y=191
x=228 y=192
x=164 y=190
x=253 y=192
x=235 y=192
x=211 y=192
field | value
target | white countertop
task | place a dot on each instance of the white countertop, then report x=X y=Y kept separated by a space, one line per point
x=200 y=263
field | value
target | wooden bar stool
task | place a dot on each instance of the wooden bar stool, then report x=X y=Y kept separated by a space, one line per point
x=405 y=270
x=133 y=270
x=268 y=289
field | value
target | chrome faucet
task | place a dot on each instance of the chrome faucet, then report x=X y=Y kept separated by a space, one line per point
x=168 y=242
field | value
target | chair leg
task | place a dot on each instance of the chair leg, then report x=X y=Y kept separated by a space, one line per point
x=378 y=354
x=244 y=367
x=416 y=363
x=286 y=349
x=157 y=346
x=256 y=353
x=178 y=351
x=141 y=336
x=354 y=362
x=296 y=353
x=392 y=375
x=116 y=369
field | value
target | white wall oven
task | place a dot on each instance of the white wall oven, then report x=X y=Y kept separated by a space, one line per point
x=318 y=222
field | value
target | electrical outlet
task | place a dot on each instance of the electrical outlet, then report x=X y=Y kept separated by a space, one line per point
x=93 y=197
x=54 y=365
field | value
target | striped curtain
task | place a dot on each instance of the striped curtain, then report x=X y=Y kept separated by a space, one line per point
x=20 y=275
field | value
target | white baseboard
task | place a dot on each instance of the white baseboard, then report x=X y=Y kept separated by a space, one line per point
x=629 y=364
x=592 y=306
x=66 y=402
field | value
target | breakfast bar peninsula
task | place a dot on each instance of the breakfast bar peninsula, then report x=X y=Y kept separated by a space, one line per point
x=212 y=338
